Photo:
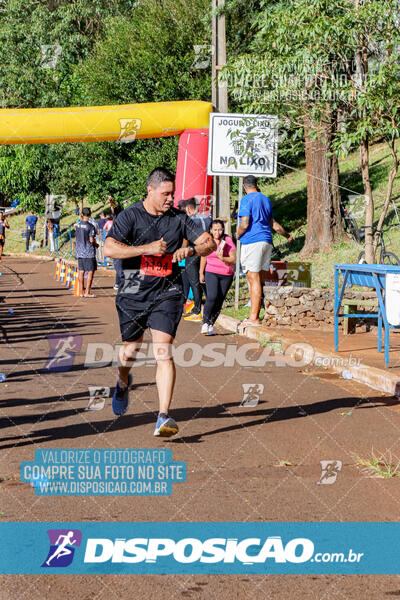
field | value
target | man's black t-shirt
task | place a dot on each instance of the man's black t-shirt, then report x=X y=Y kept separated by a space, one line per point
x=151 y=279
x=85 y=230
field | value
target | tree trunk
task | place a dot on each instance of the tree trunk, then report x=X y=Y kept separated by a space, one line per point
x=369 y=201
x=324 y=223
x=392 y=175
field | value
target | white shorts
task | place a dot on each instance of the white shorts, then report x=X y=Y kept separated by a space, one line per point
x=255 y=257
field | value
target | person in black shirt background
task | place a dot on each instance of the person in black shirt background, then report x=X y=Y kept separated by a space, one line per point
x=147 y=237
x=3 y=225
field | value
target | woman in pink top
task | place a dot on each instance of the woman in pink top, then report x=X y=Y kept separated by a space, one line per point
x=216 y=271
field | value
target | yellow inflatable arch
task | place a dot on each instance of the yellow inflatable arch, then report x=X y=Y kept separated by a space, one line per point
x=101 y=123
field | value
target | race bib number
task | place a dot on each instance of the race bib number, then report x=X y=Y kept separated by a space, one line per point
x=156 y=265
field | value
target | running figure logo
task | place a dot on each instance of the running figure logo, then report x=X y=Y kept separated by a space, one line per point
x=62 y=547
x=98 y=396
x=251 y=393
x=329 y=471
x=62 y=352
x=128 y=130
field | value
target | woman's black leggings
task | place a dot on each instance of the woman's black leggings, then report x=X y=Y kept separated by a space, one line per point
x=217 y=287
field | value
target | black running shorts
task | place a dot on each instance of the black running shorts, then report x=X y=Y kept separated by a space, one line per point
x=133 y=322
x=87 y=264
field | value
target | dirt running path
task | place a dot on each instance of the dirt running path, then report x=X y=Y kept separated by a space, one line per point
x=243 y=464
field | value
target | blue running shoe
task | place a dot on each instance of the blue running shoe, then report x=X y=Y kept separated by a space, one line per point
x=165 y=427
x=120 y=401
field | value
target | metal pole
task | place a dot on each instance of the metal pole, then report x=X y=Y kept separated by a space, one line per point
x=238 y=247
x=222 y=95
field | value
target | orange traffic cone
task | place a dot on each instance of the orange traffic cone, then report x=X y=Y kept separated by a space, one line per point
x=77 y=289
x=62 y=278
x=57 y=268
x=68 y=277
x=74 y=279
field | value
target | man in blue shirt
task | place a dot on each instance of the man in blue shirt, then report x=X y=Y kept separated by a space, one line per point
x=30 y=221
x=255 y=235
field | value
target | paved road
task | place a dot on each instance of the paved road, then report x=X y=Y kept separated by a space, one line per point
x=244 y=463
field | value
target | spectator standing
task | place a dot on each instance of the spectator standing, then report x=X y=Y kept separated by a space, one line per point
x=102 y=220
x=50 y=234
x=30 y=221
x=255 y=235
x=192 y=263
x=85 y=234
x=3 y=226
x=216 y=271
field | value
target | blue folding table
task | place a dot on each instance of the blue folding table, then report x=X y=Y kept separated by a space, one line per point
x=373 y=276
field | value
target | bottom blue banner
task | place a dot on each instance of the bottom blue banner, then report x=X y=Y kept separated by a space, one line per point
x=208 y=548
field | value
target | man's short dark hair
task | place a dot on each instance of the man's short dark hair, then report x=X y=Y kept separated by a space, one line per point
x=250 y=181
x=191 y=202
x=182 y=204
x=86 y=212
x=159 y=176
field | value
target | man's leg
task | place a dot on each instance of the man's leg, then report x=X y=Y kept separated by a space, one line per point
x=127 y=356
x=254 y=280
x=89 y=280
x=192 y=272
x=166 y=372
x=81 y=275
x=27 y=238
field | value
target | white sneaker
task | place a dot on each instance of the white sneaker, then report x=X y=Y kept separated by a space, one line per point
x=210 y=330
x=204 y=329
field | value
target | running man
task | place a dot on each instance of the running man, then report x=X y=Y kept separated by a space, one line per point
x=148 y=237
x=85 y=238
x=3 y=226
x=62 y=549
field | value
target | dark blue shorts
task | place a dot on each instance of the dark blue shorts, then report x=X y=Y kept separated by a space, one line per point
x=133 y=322
x=87 y=264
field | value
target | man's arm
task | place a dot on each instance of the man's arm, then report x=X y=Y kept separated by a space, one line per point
x=243 y=226
x=279 y=229
x=115 y=249
x=203 y=246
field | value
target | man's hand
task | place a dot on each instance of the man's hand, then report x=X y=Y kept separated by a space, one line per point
x=157 y=247
x=182 y=253
x=202 y=278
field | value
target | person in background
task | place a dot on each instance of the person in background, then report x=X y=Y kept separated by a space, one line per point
x=216 y=270
x=86 y=245
x=3 y=226
x=30 y=233
x=102 y=220
x=192 y=264
x=255 y=235
x=50 y=233
x=117 y=262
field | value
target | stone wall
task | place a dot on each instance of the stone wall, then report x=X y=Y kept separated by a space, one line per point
x=288 y=306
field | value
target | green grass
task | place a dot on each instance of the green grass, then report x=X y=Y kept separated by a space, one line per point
x=289 y=198
x=381 y=465
x=242 y=313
